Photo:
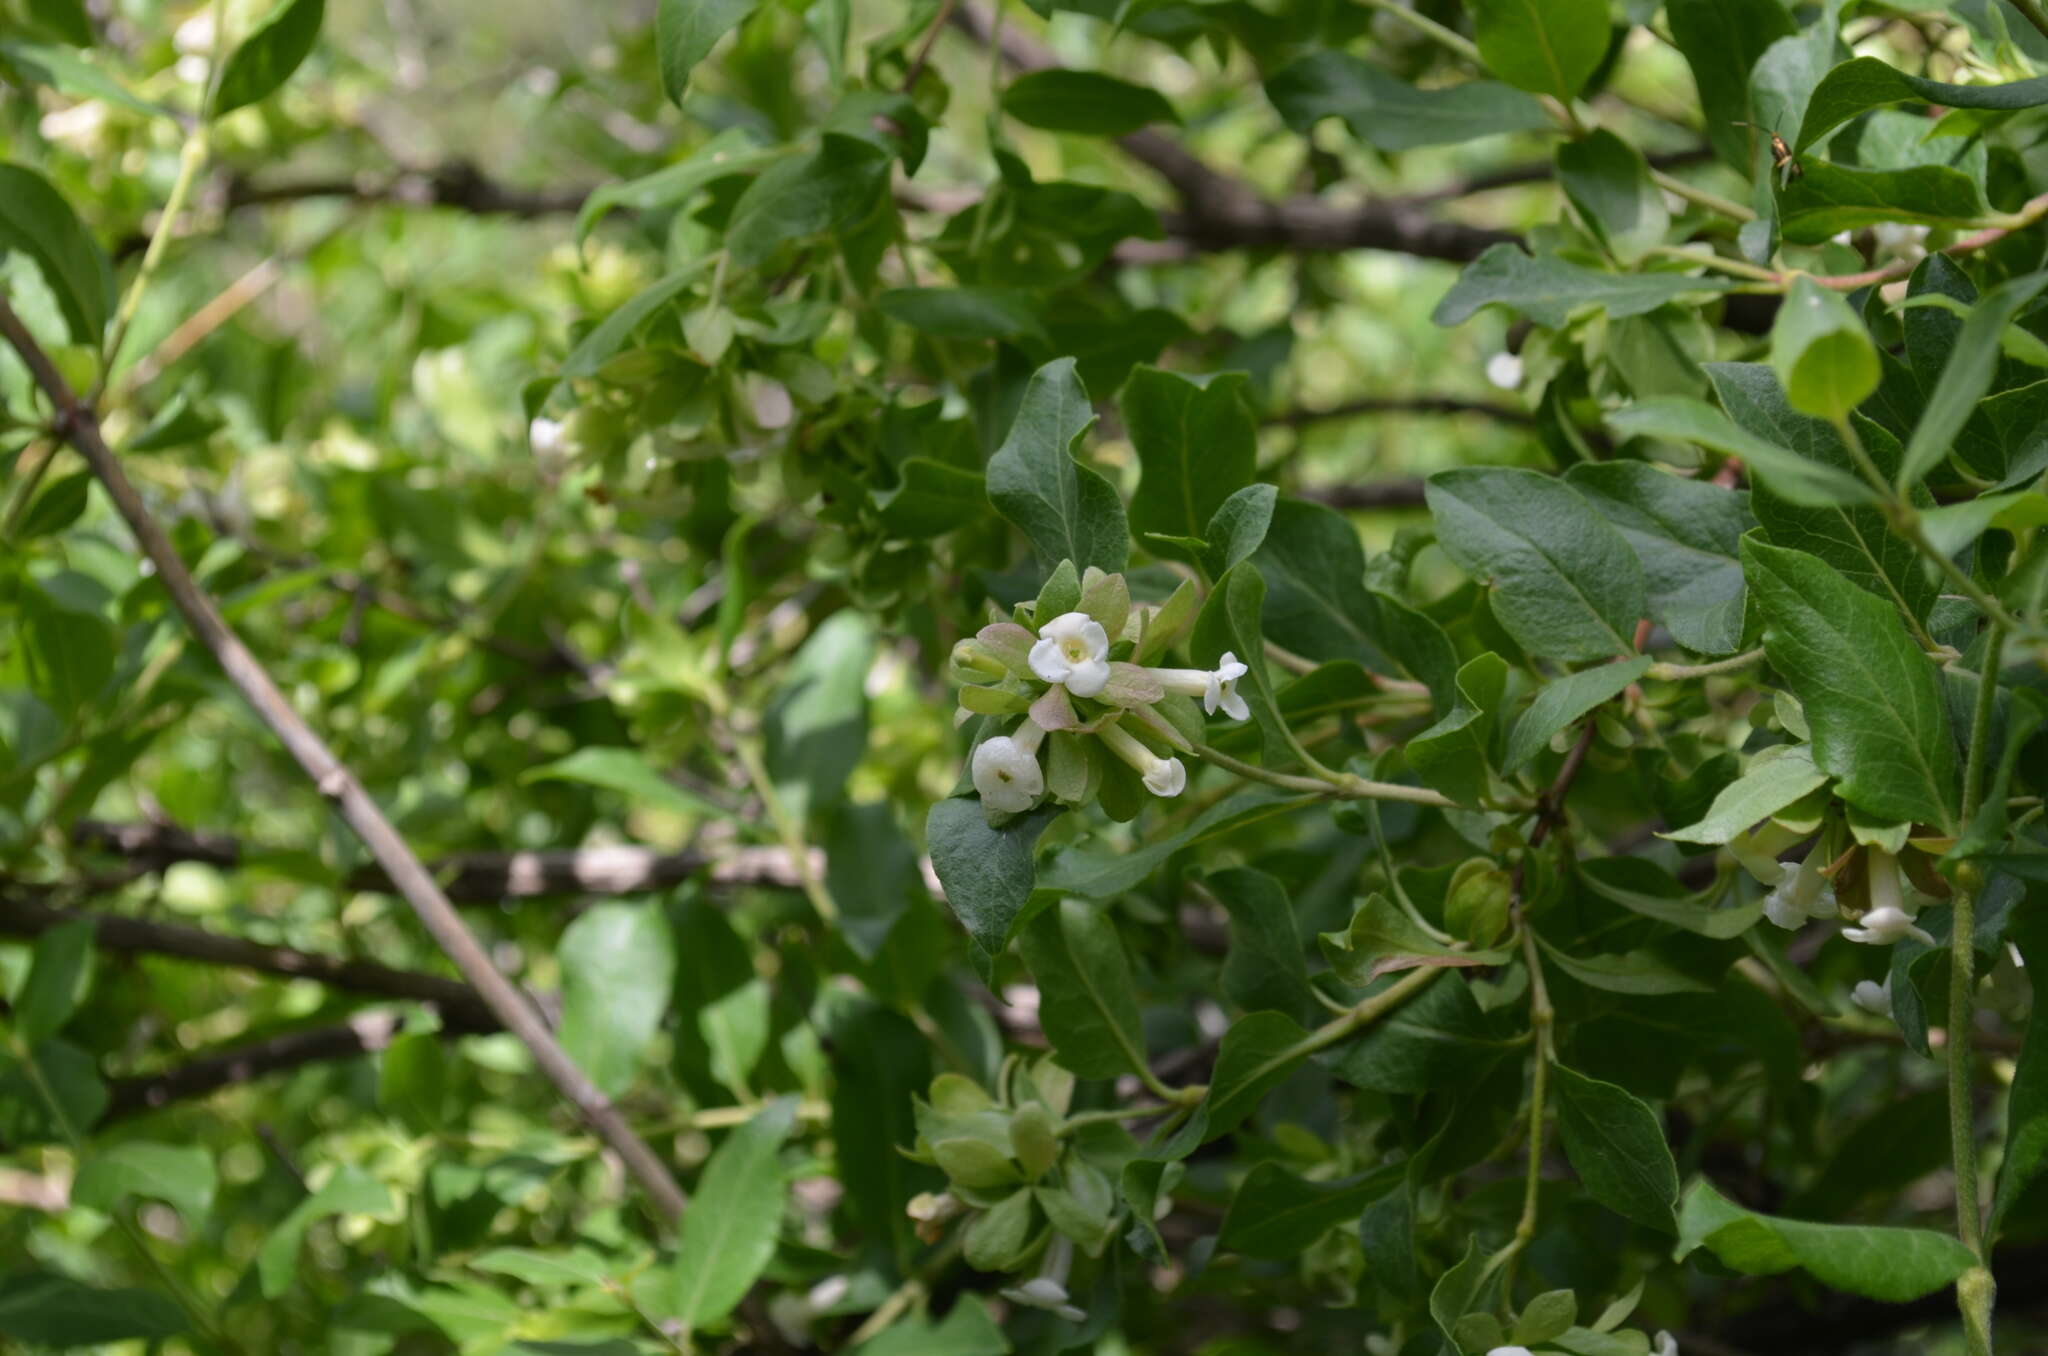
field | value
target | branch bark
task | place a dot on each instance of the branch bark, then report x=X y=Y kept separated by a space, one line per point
x=78 y=425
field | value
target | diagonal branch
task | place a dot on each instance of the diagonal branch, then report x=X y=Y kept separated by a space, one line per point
x=78 y=425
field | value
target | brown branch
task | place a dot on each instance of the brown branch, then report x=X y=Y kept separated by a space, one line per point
x=1381 y=494
x=1451 y=405
x=358 y=809
x=364 y=1033
x=113 y=932
x=1538 y=171
x=474 y=877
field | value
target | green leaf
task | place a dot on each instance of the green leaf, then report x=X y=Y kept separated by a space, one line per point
x=46 y=1309
x=1565 y=584
x=1721 y=40
x=1238 y=527
x=1967 y=375
x=1461 y=1290
x=618 y=963
x=1562 y=702
x=1609 y=182
x=1865 y=83
x=1069 y=511
x=931 y=498
x=178 y=424
x=67 y=19
x=63 y=1073
x=1316 y=600
x=736 y=150
x=1277 y=1215
x=69 y=655
x=1686 y=535
x=1094 y=873
x=987 y=873
x=1870 y=694
x=1382 y=940
x=57 y=974
x=1386 y=112
x=1796 y=478
x=1822 y=354
x=1545 y=46
x=628 y=772
x=1435 y=1039
x=801 y=198
x=347 y=1192
x=871 y=873
x=609 y=335
x=2026 y=1113
x=1453 y=755
x=1827 y=199
x=1549 y=290
x=816 y=724
x=1634 y=972
x=181 y=1175
x=35 y=219
x=1087 y=1002
x=1852 y=535
x=1616 y=1145
x=1084 y=101
x=730 y=1231
x=269 y=55
x=685 y=31
x=1881 y=1263
x=1196 y=445
x=1265 y=968
x=1255 y=1054
x=72 y=73
x=963 y=312
x=1775 y=778
x=966 y=1330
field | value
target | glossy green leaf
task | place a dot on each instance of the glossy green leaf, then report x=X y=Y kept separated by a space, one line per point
x=1067 y=510
x=1453 y=755
x=685 y=31
x=1721 y=40
x=1859 y=85
x=1777 y=777
x=1266 y=968
x=729 y=1235
x=267 y=57
x=1609 y=182
x=987 y=872
x=1827 y=199
x=1798 y=479
x=1387 y=112
x=1256 y=1053
x=1631 y=972
x=1084 y=101
x=1869 y=693
x=1616 y=1146
x=1087 y=1003
x=1564 y=584
x=1277 y=1215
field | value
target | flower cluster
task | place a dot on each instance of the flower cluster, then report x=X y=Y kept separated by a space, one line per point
x=1076 y=665
x=1803 y=893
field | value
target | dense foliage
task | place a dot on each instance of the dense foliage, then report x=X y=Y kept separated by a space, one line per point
x=1151 y=676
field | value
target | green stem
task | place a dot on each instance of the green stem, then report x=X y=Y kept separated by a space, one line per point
x=2033 y=13
x=1671 y=673
x=1342 y=785
x=1429 y=28
x=189 y=161
x=1541 y=1019
x=1713 y=202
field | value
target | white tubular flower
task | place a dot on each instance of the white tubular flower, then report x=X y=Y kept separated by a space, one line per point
x=1163 y=776
x=1800 y=895
x=1216 y=687
x=1504 y=370
x=544 y=436
x=1883 y=926
x=1872 y=997
x=1043 y=1292
x=1222 y=689
x=1667 y=1345
x=1073 y=649
x=1510 y=1351
x=1006 y=771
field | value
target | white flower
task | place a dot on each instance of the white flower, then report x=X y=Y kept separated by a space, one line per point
x=1896 y=237
x=1510 y=1351
x=1504 y=370
x=1800 y=895
x=1221 y=689
x=1006 y=771
x=1667 y=1345
x=1043 y=1292
x=1163 y=776
x=1872 y=997
x=1216 y=687
x=1885 y=925
x=544 y=436
x=1073 y=649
